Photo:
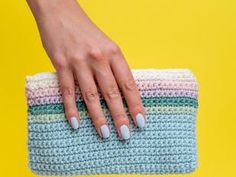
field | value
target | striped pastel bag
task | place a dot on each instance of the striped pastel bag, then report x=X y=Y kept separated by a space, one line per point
x=166 y=145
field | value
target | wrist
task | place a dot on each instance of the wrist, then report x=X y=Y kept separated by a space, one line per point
x=44 y=7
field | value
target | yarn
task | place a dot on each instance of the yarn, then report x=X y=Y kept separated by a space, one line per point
x=166 y=145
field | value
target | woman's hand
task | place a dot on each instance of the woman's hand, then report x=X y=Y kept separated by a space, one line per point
x=80 y=51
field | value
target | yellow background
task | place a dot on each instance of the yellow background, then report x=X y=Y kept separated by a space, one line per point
x=199 y=35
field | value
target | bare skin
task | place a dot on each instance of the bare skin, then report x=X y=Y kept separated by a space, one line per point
x=81 y=52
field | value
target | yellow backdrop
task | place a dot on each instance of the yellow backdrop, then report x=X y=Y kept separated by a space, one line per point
x=199 y=35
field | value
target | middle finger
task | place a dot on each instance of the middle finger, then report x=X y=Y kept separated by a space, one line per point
x=111 y=93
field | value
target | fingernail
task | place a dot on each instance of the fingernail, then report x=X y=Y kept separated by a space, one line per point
x=105 y=131
x=124 y=130
x=74 y=122
x=140 y=120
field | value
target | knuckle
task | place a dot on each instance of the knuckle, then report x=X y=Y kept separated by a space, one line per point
x=97 y=54
x=112 y=93
x=98 y=121
x=60 y=62
x=130 y=85
x=120 y=117
x=67 y=91
x=113 y=49
x=57 y=55
x=90 y=96
x=76 y=57
x=137 y=108
x=71 y=111
x=62 y=65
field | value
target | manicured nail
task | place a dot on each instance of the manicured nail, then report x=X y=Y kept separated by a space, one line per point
x=124 y=130
x=74 y=122
x=105 y=131
x=140 y=120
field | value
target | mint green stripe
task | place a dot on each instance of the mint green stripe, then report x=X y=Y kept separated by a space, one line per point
x=147 y=102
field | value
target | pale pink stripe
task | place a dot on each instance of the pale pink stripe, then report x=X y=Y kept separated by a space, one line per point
x=148 y=85
x=153 y=93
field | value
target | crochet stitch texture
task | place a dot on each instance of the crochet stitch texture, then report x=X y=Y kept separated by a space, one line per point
x=166 y=145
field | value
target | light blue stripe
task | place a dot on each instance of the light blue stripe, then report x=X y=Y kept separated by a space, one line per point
x=121 y=168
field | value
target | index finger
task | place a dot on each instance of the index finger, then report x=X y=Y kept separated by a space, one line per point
x=67 y=88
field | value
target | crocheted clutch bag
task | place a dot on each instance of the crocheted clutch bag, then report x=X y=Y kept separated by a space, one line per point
x=166 y=145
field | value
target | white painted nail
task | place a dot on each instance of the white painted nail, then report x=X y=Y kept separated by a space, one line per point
x=124 y=130
x=105 y=131
x=140 y=120
x=74 y=122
